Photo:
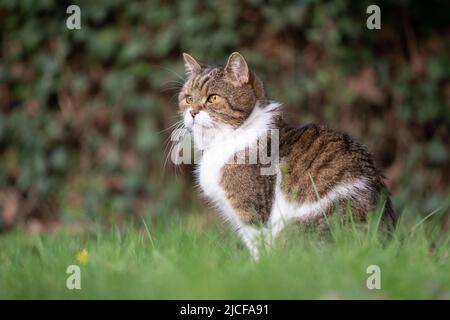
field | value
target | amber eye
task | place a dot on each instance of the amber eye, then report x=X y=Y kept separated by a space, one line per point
x=213 y=98
x=188 y=100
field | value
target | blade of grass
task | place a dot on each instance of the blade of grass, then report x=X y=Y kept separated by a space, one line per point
x=148 y=233
x=380 y=212
x=322 y=211
x=425 y=218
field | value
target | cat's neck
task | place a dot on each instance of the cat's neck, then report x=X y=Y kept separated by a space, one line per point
x=264 y=116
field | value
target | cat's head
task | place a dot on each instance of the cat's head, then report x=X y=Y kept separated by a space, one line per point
x=215 y=96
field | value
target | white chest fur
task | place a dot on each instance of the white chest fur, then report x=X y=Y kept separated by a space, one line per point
x=209 y=173
x=221 y=150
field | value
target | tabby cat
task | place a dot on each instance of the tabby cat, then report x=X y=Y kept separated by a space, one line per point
x=316 y=170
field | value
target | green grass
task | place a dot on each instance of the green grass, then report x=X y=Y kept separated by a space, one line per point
x=186 y=258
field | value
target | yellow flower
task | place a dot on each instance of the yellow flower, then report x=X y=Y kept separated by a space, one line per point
x=82 y=256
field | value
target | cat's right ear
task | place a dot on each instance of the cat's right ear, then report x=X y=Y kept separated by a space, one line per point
x=192 y=66
x=237 y=69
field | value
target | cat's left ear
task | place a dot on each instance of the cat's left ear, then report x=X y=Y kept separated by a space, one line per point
x=192 y=66
x=237 y=69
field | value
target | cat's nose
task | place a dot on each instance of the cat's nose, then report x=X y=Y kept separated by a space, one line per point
x=194 y=113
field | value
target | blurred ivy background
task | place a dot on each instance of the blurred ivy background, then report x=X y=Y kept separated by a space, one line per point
x=83 y=112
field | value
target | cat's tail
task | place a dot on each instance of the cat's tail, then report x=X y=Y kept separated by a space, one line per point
x=390 y=217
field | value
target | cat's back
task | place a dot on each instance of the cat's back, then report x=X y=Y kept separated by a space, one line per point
x=316 y=160
x=319 y=150
x=318 y=135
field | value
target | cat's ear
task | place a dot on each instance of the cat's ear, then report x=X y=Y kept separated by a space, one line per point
x=237 y=69
x=192 y=66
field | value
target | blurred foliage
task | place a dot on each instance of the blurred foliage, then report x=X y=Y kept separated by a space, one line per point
x=82 y=112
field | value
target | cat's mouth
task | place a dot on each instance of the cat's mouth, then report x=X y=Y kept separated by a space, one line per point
x=198 y=124
x=200 y=121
